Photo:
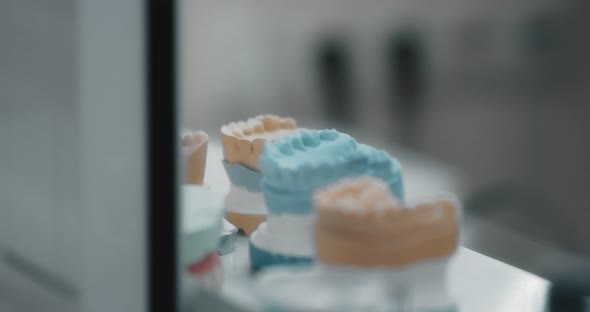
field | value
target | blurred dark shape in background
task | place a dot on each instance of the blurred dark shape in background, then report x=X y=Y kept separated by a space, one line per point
x=335 y=80
x=405 y=62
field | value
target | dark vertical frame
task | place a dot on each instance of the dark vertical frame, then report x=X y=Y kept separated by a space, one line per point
x=161 y=139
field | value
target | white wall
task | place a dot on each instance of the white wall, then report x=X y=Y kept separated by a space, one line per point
x=242 y=58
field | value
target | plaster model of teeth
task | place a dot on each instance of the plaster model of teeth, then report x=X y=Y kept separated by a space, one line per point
x=360 y=223
x=243 y=143
x=194 y=152
x=362 y=230
x=293 y=168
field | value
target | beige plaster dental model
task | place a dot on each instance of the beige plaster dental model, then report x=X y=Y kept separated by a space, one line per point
x=243 y=143
x=194 y=150
x=360 y=223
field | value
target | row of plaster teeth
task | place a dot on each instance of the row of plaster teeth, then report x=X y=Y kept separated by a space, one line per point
x=349 y=161
x=438 y=200
x=272 y=122
x=300 y=141
x=359 y=194
x=367 y=196
x=303 y=140
x=290 y=176
x=259 y=124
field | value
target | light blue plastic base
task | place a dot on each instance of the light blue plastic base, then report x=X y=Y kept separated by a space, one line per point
x=260 y=259
x=243 y=176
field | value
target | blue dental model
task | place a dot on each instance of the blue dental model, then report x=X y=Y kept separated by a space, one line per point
x=294 y=166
